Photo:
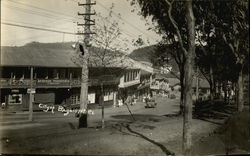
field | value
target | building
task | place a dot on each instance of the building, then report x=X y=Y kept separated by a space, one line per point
x=163 y=83
x=144 y=87
x=56 y=77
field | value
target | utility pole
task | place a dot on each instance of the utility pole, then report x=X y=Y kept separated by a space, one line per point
x=83 y=122
x=31 y=95
x=102 y=101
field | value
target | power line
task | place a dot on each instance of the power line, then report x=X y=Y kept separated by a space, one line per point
x=36 y=28
x=47 y=15
x=127 y=33
x=117 y=15
x=19 y=22
x=46 y=10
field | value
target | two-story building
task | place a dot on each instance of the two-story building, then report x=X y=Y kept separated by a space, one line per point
x=49 y=69
x=144 y=87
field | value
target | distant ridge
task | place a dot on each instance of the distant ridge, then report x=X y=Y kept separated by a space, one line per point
x=146 y=55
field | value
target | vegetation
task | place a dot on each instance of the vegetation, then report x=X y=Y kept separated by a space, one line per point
x=220 y=29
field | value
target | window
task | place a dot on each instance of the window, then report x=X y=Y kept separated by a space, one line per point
x=15 y=99
x=75 y=99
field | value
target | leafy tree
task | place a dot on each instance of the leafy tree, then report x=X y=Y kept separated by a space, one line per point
x=225 y=29
x=107 y=50
x=181 y=31
x=164 y=54
x=234 y=31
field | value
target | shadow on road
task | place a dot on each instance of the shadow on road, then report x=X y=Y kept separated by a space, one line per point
x=138 y=117
x=163 y=148
x=122 y=126
x=209 y=111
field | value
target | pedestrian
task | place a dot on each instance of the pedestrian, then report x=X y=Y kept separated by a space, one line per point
x=134 y=100
x=3 y=105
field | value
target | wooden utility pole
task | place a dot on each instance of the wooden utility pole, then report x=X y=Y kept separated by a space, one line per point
x=85 y=71
x=102 y=101
x=31 y=95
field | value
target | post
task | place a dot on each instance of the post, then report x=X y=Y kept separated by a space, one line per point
x=11 y=78
x=85 y=71
x=31 y=95
x=102 y=100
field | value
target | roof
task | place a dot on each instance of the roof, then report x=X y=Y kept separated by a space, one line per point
x=37 y=56
x=58 y=55
x=144 y=72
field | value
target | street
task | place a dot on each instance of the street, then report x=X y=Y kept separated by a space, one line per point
x=156 y=131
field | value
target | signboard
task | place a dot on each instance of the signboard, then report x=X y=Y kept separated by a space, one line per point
x=52 y=82
x=33 y=90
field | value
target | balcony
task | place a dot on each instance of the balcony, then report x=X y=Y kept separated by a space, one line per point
x=51 y=83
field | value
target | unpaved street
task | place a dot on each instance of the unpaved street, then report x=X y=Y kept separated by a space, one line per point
x=151 y=134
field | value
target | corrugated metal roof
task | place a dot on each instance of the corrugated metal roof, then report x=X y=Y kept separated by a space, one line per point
x=30 y=56
x=55 y=55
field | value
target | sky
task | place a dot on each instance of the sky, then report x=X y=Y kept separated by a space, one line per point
x=62 y=15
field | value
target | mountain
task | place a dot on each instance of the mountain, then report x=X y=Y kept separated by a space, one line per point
x=147 y=55
x=143 y=54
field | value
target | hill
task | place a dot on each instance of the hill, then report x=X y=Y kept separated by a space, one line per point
x=143 y=54
x=148 y=55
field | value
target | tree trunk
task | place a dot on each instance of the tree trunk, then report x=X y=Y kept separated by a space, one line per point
x=187 y=137
x=212 y=91
x=182 y=91
x=240 y=94
x=211 y=88
x=225 y=91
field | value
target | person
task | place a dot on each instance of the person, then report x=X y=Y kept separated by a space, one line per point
x=120 y=102
x=134 y=100
x=144 y=98
x=3 y=105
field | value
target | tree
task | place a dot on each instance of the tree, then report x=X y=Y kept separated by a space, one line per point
x=235 y=32
x=226 y=29
x=169 y=17
x=164 y=54
x=108 y=39
x=108 y=48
